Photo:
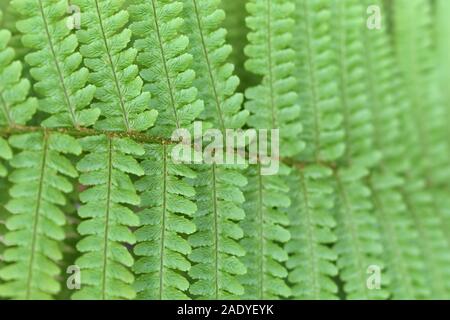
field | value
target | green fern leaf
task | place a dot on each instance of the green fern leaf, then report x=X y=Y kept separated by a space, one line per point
x=237 y=31
x=216 y=251
x=265 y=229
x=106 y=52
x=347 y=24
x=215 y=80
x=16 y=107
x=386 y=98
x=405 y=266
x=426 y=127
x=273 y=103
x=311 y=261
x=3 y=215
x=35 y=227
x=165 y=63
x=60 y=80
x=318 y=90
x=359 y=245
x=165 y=219
x=5 y=153
x=105 y=261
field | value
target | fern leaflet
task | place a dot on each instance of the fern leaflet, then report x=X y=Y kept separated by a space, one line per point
x=105 y=48
x=62 y=82
x=105 y=261
x=35 y=227
x=311 y=261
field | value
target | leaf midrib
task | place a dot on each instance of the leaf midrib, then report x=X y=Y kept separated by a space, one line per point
x=164 y=63
x=36 y=216
x=113 y=70
x=58 y=68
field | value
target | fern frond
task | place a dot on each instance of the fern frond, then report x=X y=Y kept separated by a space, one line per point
x=6 y=154
x=216 y=251
x=433 y=243
x=359 y=244
x=426 y=134
x=105 y=261
x=36 y=225
x=105 y=48
x=165 y=63
x=442 y=12
x=347 y=24
x=237 y=31
x=318 y=90
x=265 y=230
x=311 y=261
x=414 y=48
x=16 y=107
x=165 y=221
x=215 y=80
x=386 y=97
x=404 y=264
x=61 y=82
x=274 y=103
x=3 y=215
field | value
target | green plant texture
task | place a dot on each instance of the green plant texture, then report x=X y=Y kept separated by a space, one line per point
x=95 y=204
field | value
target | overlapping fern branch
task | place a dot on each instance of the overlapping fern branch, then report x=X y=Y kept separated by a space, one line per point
x=105 y=261
x=358 y=236
x=167 y=198
x=61 y=81
x=311 y=261
x=106 y=168
x=273 y=104
x=388 y=103
x=107 y=53
x=431 y=151
x=35 y=226
x=216 y=252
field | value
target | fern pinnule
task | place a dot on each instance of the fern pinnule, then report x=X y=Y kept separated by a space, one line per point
x=414 y=49
x=273 y=103
x=265 y=229
x=433 y=243
x=317 y=88
x=404 y=264
x=442 y=65
x=425 y=129
x=61 y=82
x=16 y=106
x=36 y=224
x=311 y=261
x=358 y=245
x=5 y=154
x=105 y=48
x=165 y=63
x=237 y=31
x=386 y=98
x=346 y=31
x=166 y=219
x=105 y=261
x=215 y=79
x=216 y=250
